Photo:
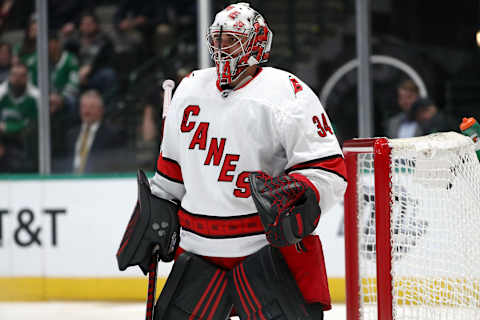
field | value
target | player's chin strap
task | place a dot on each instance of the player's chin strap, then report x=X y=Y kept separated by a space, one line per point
x=244 y=80
x=226 y=91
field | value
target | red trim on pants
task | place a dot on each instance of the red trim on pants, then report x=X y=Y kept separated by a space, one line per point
x=224 y=263
x=307 y=268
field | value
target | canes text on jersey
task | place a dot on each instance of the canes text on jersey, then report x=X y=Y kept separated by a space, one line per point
x=215 y=155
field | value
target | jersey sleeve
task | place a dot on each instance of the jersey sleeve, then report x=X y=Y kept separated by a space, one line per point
x=167 y=183
x=310 y=145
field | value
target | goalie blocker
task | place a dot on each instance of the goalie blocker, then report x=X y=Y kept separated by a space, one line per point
x=154 y=223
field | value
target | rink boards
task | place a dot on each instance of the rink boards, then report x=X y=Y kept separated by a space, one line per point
x=59 y=236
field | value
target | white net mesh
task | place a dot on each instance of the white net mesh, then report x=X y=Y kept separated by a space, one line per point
x=435 y=229
x=366 y=239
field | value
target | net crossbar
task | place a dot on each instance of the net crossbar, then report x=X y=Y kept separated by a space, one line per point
x=416 y=206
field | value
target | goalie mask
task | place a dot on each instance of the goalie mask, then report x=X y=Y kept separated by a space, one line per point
x=238 y=38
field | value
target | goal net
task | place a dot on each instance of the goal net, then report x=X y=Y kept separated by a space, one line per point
x=412 y=228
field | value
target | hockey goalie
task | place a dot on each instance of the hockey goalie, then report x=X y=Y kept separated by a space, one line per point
x=248 y=165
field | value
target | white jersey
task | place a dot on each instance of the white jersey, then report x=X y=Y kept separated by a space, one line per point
x=274 y=123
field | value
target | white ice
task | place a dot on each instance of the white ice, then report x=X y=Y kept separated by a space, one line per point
x=96 y=311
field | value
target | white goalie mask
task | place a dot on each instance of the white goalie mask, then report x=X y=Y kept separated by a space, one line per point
x=238 y=38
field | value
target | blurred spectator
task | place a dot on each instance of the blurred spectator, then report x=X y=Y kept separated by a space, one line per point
x=11 y=157
x=5 y=165
x=18 y=118
x=63 y=69
x=185 y=15
x=5 y=60
x=5 y=9
x=24 y=52
x=403 y=125
x=14 y=14
x=149 y=131
x=63 y=74
x=150 y=128
x=63 y=15
x=94 y=146
x=18 y=101
x=142 y=16
x=429 y=118
x=182 y=73
x=95 y=51
x=63 y=88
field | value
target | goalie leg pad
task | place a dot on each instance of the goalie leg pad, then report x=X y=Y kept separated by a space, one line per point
x=195 y=289
x=262 y=287
x=154 y=223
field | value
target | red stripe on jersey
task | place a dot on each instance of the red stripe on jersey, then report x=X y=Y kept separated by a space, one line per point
x=334 y=164
x=169 y=169
x=220 y=227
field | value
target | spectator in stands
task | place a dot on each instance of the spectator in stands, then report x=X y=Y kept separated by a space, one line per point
x=5 y=60
x=142 y=16
x=5 y=9
x=95 y=52
x=150 y=124
x=14 y=14
x=150 y=127
x=11 y=157
x=403 y=125
x=63 y=88
x=94 y=146
x=185 y=15
x=25 y=52
x=63 y=76
x=5 y=165
x=18 y=119
x=63 y=69
x=64 y=15
x=149 y=131
x=429 y=118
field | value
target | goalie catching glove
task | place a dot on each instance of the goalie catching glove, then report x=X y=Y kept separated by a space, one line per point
x=153 y=225
x=287 y=206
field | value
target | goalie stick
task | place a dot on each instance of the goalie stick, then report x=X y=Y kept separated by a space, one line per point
x=167 y=86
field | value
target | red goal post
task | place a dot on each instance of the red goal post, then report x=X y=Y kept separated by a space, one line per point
x=412 y=228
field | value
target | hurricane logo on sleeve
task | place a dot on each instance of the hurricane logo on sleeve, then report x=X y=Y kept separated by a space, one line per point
x=297 y=87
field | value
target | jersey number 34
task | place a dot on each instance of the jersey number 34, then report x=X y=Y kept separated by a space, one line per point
x=322 y=125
